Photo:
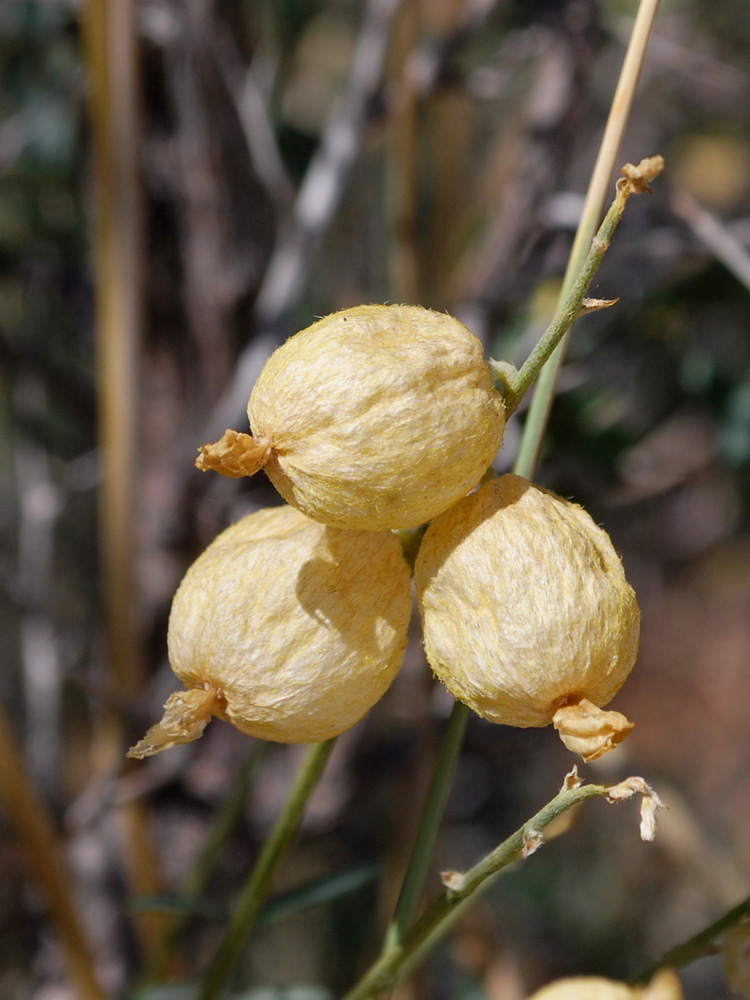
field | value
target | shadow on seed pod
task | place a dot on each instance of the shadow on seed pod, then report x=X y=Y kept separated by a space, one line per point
x=289 y=629
x=373 y=417
x=526 y=612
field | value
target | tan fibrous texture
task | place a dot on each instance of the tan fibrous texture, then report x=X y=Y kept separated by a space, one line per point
x=293 y=629
x=525 y=606
x=664 y=986
x=377 y=416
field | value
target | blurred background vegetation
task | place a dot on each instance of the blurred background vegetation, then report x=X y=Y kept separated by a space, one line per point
x=274 y=161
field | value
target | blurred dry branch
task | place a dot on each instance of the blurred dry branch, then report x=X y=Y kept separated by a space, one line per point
x=36 y=834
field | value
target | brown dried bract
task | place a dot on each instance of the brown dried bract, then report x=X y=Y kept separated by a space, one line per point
x=233 y=455
x=186 y=715
x=638 y=177
x=590 y=731
x=595 y=305
x=650 y=802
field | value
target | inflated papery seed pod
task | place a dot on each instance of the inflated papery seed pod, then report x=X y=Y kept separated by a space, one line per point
x=373 y=417
x=527 y=615
x=289 y=629
x=664 y=986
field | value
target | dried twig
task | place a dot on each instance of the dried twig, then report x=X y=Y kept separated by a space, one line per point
x=37 y=835
x=713 y=234
x=39 y=506
x=257 y=130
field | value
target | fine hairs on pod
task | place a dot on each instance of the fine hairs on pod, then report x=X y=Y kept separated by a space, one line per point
x=527 y=615
x=289 y=629
x=373 y=417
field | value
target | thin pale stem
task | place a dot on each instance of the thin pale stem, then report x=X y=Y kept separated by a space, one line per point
x=440 y=785
x=258 y=885
x=197 y=879
x=698 y=945
x=110 y=39
x=439 y=917
x=537 y=418
x=636 y=180
x=622 y=102
x=570 y=308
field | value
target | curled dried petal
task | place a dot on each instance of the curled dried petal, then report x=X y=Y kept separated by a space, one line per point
x=590 y=731
x=649 y=805
x=186 y=715
x=639 y=176
x=233 y=455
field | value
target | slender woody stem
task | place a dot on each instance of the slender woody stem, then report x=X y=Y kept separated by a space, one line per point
x=536 y=420
x=442 y=778
x=698 y=945
x=635 y=180
x=619 y=114
x=195 y=882
x=572 y=304
x=403 y=956
x=258 y=885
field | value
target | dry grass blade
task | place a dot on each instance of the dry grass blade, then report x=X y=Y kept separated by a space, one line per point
x=36 y=833
x=619 y=115
x=111 y=58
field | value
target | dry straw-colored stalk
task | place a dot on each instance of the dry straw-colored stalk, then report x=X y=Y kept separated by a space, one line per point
x=37 y=835
x=111 y=57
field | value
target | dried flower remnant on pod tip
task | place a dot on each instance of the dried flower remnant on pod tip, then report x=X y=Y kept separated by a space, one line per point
x=287 y=628
x=527 y=616
x=664 y=986
x=373 y=417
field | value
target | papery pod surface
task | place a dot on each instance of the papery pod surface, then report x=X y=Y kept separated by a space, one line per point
x=289 y=629
x=525 y=605
x=584 y=988
x=664 y=986
x=373 y=417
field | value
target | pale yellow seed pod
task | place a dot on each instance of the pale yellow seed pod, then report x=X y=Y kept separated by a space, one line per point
x=664 y=986
x=584 y=988
x=527 y=615
x=289 y=629
x=373 y=417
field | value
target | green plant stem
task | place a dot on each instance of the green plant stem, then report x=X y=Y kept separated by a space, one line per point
x=197 y=879
x=517 y=385
x=538 y=415
x=442 y=778
x=259 y=883
x=403 y=956
x=570 y=307
x=697 y=946
x=622 y=102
